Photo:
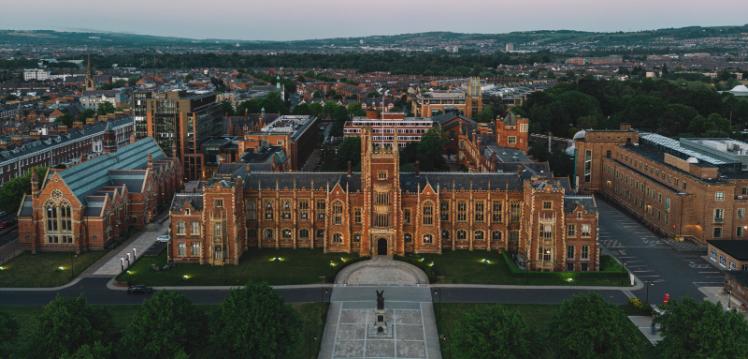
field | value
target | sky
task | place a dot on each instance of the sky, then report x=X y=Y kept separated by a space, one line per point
x=310 y=19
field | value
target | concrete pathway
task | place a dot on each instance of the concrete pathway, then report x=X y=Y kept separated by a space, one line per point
x=644 y=324
x=9 y=251
x=112 y=265
x=411 y=325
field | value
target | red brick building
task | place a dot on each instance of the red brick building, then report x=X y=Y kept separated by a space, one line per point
x=512 y=132
x=88 y=206
x=381 y=211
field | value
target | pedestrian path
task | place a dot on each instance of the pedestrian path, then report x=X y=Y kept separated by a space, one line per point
x=644 y=324
x=350 y=330
x=114 y=265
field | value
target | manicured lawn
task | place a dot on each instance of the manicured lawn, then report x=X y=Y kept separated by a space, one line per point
x=312 y=317
x=45 y=269
x=479 y=267
x=274 y=267
x=537 y=317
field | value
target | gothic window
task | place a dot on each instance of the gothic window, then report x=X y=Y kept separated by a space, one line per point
x=461 y=235
x=408 y=238
x=444 y=211
x=337 y=213
x=286 y=233
x=546 y=232
x=428 y=239
x=428 y=214
x=195 y=249
x=461 y=211
x=286 y=209
x=357 y=237
x=218 y=230
x=479 y=215
x=304 y=233
x=337 y=238
x=406 y=216
x=251 y=210
x=321 y=210
x=218 y=203
x=320 y=233
x=304 y=210
x=479 y=236
x=515 y=211
x=381 y=220
x=496 y=215
x=268 y=209
x=357 y=216
x=268 y=234
x=496 y=235
x=381 y=198
x=59 y=222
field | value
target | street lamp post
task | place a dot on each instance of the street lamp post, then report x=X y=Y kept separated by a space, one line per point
x=648 y=284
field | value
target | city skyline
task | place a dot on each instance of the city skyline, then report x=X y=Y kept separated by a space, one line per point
x=293 y=20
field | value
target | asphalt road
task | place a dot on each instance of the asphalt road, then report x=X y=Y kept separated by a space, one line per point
x=652 y=259
x=649 y=257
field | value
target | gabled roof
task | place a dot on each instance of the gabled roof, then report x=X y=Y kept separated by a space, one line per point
x=90 y=175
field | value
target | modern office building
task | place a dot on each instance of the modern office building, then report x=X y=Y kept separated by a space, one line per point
x=182 y=121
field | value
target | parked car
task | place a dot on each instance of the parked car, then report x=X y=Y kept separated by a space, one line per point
x=163 y=238
x=139 y=289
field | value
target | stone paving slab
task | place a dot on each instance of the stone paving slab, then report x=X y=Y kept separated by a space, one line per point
x=145 y=240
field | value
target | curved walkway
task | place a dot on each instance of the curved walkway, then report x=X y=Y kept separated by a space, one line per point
x=381 y=271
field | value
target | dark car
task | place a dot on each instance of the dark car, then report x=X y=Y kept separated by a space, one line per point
x=7 y=223
x=139 y=289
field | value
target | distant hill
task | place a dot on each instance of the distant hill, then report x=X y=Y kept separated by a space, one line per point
x=535 y=40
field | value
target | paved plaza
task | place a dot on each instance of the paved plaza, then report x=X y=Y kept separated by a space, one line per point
x=351 y=332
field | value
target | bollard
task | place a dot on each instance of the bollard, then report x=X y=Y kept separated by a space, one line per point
x=134 y=253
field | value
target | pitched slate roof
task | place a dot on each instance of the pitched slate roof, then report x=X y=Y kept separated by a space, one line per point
x=571 y=202
x=93 y=174
x=181 y=200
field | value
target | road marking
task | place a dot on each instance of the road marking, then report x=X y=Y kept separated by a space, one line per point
x=709 y=272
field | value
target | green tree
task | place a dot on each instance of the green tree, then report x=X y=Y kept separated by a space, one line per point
x=700 y=329
x=97 y=350
x=65 y=325
x=12 y=191
x=253 y=322
x=493 y=332
x=105 y=108
x=585 y=326
x=430 y=150
x=487 y=114
x=166 y=324
x=227 y=108
x=349 y=150
x=8 y=334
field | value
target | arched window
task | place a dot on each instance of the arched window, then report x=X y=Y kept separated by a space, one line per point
x=461 y=234
x=337 y=213
x=337 y=238
x=445 y=234
x=286 y=233
x=268 y=234
x=357 y=237
x=304 y=233
x=479 y=236
x=428 y=213
x=408 y=237
x=59 y=222
x=496 y=235
x=428 y=239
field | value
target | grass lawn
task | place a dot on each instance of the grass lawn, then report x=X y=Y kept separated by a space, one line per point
x=479 y=267
x=312 y=317
x=291 y=266
x=537 y=317
x=45 y=269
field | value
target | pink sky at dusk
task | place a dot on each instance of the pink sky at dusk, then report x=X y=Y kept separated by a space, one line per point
x=305 y=19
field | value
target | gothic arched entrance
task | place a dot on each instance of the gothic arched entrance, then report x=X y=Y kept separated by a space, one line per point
x=382 y=246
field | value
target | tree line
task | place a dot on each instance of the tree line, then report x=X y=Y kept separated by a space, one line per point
x=252 y=322
x=586 y=326
x=671 y=108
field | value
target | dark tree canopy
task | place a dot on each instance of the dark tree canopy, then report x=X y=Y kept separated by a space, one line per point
x=64 y=326
x=253 y=322
x=8 y=334
x=493 y=332
x=587 y=327
x=692 y=329
x=179 y=324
